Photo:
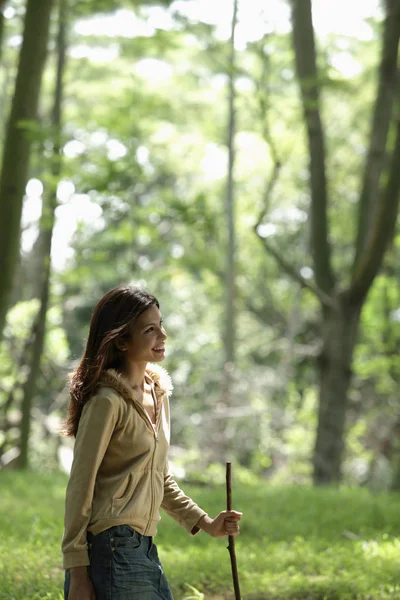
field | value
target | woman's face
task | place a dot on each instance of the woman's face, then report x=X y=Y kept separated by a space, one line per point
x=146 y=343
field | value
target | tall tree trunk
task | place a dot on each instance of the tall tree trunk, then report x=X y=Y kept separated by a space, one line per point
x=230 y=204
x=45 y=237
x=230 y=292
x=306 y=66
x=15 y=161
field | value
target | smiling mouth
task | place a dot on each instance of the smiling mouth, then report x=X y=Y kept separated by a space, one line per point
x=159 y=349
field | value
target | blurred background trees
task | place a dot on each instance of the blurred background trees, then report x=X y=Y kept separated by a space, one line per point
x=242 y=164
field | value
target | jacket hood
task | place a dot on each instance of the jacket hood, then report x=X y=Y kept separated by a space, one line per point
x=160 y=377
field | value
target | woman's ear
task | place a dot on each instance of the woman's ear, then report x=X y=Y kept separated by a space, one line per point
x=121 y=345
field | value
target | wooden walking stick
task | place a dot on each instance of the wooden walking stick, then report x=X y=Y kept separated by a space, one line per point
x=231 y=546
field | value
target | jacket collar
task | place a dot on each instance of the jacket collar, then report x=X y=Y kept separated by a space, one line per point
x=157 y=374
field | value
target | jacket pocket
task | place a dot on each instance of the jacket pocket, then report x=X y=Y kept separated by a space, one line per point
x=125 y=495
x=125 y=492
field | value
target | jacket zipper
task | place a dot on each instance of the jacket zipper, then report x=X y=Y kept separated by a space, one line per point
x=155 y=430
x=152 y=491
x=146 y=418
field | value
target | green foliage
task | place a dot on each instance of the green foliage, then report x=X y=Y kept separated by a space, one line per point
x=214 y=475
x=295 y=543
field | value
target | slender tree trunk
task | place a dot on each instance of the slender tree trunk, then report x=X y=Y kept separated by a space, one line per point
x=45 y=237
x=377 y=155
x=306 y=66
x=33 y=371
x=15 y=161
x=230 y=204
x=230 y=275
x=229 y=337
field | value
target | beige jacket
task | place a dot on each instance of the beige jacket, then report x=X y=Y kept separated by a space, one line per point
x=120 y=471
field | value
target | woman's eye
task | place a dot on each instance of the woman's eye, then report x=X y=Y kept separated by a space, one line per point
x=151 y=329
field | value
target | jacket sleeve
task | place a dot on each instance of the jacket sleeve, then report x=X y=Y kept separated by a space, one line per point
x=179 y=506
x=96 y=425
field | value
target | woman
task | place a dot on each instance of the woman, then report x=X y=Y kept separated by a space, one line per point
x=119 y=414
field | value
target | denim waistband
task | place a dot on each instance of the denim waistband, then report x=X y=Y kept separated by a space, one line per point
x=109 y=530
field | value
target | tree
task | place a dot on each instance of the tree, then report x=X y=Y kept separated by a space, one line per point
x=230 y=272
x=341 y=304
x=44 y=242
x=18 y=140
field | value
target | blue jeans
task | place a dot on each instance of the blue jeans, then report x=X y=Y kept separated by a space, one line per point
x=124 y=565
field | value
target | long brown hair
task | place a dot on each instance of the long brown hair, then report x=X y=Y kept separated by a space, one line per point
x=111 y=321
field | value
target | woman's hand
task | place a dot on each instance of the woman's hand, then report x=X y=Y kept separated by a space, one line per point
x=226 y=523
x=81 y=587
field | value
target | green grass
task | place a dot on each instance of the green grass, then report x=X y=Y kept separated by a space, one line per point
x=296 y=543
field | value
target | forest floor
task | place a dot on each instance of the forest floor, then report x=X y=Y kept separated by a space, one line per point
x=296 y=543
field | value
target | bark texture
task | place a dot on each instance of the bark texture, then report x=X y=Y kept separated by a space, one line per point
x=18 y=139
x=339 y=338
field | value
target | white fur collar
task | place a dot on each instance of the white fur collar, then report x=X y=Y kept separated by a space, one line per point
x=161 y=377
